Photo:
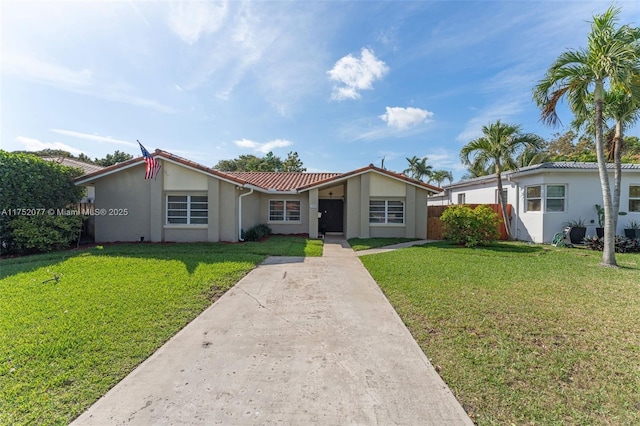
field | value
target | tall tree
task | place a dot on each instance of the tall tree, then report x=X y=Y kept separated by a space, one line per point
x=115 y=158
x=624 y=110
x=418 y=168
x=611 y=58
x=293 y=163
x=497 y=149
x=533 y=155
x=620 y=108
x=439 y=176
x=268 y=163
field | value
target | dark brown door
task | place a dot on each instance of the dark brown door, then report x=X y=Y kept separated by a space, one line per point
x=332 y=216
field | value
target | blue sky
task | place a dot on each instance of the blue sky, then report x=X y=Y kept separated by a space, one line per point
x=342 y=83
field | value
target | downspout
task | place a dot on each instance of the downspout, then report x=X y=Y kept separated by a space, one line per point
x=240 y=213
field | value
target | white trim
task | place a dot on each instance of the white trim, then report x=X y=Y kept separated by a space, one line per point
x=103 y=174
x=338 y=179
x=284 y=221
x=543 y=198
x=386 y=211
x=179 y=226
x=188 y=202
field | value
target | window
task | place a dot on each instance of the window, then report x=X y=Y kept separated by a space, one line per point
x=284 y=210
x=386 y=211
x=554 y=198
x=634 y=198
x=505 y=193
x=534 y=198
x=461 y=198
x=187 y=209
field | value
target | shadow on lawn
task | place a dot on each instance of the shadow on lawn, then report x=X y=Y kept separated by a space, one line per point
x=495 y=247
x=190 y=254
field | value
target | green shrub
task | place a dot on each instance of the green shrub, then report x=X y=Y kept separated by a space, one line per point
x=26 y=183
x=256 y=233
x=44 y=233
x=471 y=227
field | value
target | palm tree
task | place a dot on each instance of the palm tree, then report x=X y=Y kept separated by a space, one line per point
x=497 y=149
x=612 y=58
x=418 y=168
x=533 y=155
x=439 y=176
x=624 y=111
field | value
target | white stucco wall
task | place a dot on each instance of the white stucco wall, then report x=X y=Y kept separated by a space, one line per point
x=583 y=192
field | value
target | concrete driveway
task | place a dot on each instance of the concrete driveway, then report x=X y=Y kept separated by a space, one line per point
x=297 y=341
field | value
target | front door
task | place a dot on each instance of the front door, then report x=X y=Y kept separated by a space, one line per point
x=331 y=216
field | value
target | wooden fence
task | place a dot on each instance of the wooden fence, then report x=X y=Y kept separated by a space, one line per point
x=434 y=224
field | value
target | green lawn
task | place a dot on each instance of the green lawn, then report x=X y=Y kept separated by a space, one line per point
x=358 y=244
x=64 y=343
x=523 y=334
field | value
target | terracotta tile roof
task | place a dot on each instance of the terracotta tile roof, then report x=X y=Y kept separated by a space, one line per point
x=162 y=154
x=382 y=171
x=281 y=181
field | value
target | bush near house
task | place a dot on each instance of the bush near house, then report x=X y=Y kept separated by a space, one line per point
x=32 y=190
x=470 y=227
x=256 y=233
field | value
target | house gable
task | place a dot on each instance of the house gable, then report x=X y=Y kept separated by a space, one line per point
x=190 y=202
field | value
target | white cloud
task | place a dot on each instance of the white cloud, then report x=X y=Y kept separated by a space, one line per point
x=90 y=137
x=263 y=147
x=34 y=69
x=36 y=145
x=403 y=118
x=356 y=74
x=189 y=20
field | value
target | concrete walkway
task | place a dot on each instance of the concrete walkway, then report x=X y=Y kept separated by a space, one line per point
x=295 y=342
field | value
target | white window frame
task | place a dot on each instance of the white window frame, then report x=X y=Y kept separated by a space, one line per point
x=547 y=198
x=544 y=198
x=632 y=199
x=389 y=211
x=288 y=215
x=527 y=198
x=191 y=208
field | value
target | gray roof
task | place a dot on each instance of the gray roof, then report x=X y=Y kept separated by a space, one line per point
x=558 y=165
x=575 y=165
x=70 y=162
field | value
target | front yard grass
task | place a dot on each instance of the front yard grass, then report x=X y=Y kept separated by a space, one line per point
x=358 y=244
x=523 y=334
x=64 y=342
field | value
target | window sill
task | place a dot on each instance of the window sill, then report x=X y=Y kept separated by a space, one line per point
x=184 y=226
x=284 y=222
x=391 y=225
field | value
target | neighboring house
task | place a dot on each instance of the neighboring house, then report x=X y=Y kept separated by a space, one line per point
x=191 y=202
x=546 y=196
x=86 y=167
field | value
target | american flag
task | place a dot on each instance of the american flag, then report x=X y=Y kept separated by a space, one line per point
x=152 y=164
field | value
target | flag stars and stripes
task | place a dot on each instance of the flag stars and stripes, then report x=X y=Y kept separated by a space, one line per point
x=152 y=165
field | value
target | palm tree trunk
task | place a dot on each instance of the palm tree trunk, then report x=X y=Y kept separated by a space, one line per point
x=609 y=252
x=503 y=205
x=618 y=138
